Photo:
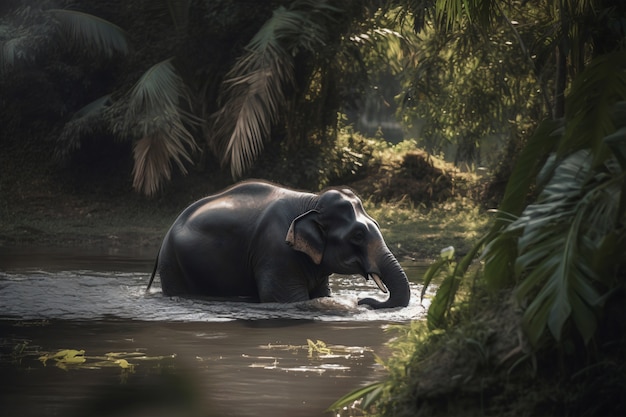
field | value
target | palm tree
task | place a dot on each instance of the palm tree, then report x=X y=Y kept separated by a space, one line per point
x=281 y=85
x=91 y=33
x=260 y=85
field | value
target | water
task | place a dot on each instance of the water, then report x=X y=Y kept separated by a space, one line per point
x=177 y=356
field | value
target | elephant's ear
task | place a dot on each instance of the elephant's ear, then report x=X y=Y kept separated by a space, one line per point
x=306 y=235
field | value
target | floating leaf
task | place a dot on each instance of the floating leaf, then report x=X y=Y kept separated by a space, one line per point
x=318 y=347
x=123 y=363
x=65 y=357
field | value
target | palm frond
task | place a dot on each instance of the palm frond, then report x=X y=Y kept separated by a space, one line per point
x=153 y=156
x=92 y=31
x=560 y=234
x=255 y=88
x=160 y=87
x=255 y=97
x=95 y=107
x=421 y=12
x=157 y=116
x=479 y=12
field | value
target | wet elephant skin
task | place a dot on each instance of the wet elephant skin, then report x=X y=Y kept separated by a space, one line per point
x=259 y=241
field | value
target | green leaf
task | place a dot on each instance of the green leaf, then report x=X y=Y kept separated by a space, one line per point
x=433 y=270
x=65 y=357
x=369 y=394
x=528 y=165
x=584 y=317
x=616 y=141
x=560 y=236
x=440 y=303
x=446 y=293
x=499 y=257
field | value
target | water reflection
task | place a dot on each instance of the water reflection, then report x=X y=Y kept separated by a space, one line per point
x=227 y=369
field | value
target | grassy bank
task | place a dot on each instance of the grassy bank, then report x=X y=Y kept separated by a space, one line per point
x=420 y=202
x=66 y=220
x=422 y=232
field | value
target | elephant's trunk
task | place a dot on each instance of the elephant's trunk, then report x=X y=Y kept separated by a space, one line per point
x=395 y=280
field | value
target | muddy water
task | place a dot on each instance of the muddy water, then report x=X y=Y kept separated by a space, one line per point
x=147 y=354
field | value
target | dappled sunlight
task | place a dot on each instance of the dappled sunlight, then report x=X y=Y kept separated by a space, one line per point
x=456 y=224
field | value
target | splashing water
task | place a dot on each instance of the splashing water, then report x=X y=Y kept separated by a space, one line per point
x=89 y=295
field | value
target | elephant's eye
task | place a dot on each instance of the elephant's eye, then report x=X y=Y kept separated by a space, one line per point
x=358 y=237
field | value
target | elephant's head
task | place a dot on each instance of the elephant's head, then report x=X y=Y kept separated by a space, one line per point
x=339 y=236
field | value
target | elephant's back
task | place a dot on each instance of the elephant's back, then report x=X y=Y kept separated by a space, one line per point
x=216 y=237
x=236 y=208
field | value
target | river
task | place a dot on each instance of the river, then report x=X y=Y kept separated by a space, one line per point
x=122 y=351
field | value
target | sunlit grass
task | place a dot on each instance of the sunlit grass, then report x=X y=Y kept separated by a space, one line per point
x=423 y=232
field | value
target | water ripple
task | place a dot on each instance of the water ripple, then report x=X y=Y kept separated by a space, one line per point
x=90 y=295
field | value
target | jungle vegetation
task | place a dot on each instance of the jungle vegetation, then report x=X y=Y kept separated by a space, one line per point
x=211 y=85
x=553 y=262
x=535 y=89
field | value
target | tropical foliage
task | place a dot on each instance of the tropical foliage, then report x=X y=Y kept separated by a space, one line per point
x=278 y=86
x=566 y=249
x=155 y=110
x=303 y=63
x=562 y=252
x=256 y=87
x=467 y=93
x=558 y=240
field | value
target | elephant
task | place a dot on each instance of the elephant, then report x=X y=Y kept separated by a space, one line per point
x=262 y=242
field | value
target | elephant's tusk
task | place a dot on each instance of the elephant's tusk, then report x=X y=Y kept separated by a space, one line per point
x=379 y=282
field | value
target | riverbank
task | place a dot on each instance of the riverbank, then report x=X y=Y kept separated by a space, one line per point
x=55 y=217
